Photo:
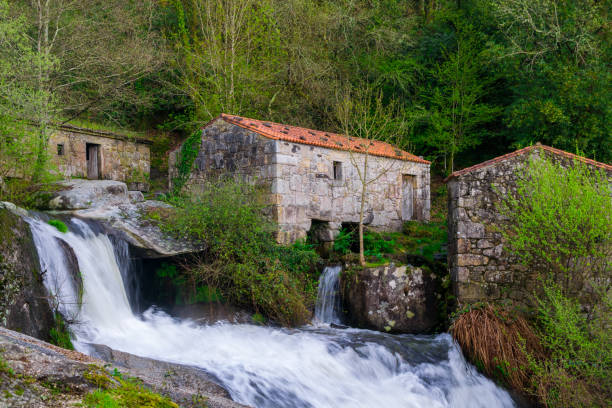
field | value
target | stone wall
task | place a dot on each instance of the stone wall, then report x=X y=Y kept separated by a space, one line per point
x=304 y=189
x=121 y=158
x=228 y=149
x=301 y=182
x=481 y=270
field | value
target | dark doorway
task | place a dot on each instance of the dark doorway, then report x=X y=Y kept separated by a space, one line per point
x=92 y=156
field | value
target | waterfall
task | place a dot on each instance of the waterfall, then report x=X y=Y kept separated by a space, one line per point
x=328 y=305
x=264 y=367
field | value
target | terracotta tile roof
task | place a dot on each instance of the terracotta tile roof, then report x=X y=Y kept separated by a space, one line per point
x=527 y=149
x=301 y=135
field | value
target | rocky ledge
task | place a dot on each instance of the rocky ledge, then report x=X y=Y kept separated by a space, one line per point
x=36 y=374
x=124 y=211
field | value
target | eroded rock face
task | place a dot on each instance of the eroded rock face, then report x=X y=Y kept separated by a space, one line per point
x=396 y=299
x=23 y=298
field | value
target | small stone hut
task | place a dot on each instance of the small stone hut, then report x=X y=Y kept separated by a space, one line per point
x=96 y=154
x=312 y=176
x=480 y=268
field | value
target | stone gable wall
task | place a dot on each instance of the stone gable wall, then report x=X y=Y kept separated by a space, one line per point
x=229 y=149
x=120 y=160
x=481 y=270
x=301 y=182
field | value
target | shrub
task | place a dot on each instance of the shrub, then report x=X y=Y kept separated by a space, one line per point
x=559 y=224
x=578 y=370
x=59 y=225
x=242 y=259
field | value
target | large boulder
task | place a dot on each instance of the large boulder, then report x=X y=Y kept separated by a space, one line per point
x=396 y=299
x=79 y=194
x=24 y=305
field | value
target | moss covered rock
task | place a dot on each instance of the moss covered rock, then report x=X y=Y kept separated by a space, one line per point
x=23 y=298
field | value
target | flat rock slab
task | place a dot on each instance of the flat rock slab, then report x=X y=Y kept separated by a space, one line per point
x=48 y=376
x=146 y=238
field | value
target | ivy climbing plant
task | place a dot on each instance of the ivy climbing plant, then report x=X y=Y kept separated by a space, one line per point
x=187 y=155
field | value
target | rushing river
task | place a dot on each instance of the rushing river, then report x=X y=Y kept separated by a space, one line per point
x=315 y=366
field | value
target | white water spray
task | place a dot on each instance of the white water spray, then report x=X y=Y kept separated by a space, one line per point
x=316 y=367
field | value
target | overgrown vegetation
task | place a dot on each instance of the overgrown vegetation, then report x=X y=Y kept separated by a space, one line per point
x=60 y=334
x=242 y=261
x=559 y=228
x=189 y=151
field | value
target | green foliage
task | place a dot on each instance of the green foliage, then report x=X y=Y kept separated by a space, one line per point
x=59 y=225
x=559 y=223
x=60 y=334
x=577 y=371
x=376 y=245
x=344 y=241
x=188 y=153
x=119 y=391
x=242 y=260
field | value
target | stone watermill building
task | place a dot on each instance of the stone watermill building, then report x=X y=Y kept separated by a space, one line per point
x=311 y=176
x=100 y=155
x=480 y=268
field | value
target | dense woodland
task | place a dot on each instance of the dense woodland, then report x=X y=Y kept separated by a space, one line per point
x=472 y=78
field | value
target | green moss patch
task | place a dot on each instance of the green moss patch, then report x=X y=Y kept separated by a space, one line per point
x=119 y=391
x=61 y=227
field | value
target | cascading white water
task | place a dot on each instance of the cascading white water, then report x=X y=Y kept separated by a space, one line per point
x=318 y=367
x=328 y=305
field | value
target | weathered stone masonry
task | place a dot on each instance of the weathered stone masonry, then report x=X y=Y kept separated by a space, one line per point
x=308 y=182
x=481 y=270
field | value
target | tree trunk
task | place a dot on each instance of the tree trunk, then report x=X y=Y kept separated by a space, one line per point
x=361 y=211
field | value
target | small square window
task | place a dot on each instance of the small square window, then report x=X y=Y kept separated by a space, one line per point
x=337 y=170
x=60 y=149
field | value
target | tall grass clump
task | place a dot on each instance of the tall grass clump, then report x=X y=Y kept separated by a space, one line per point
x=242 y=260
x=499 y=343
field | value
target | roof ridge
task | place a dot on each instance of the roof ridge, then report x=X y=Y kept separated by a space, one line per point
x=522 y=151
x=385 y=149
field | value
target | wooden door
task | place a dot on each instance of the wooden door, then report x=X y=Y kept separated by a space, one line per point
x=408 y=190
x=93 y=161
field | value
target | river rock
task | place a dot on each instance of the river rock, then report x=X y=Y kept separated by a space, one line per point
x=182 y=383
x=38 y=374
x=79 y=194
x=396 y=299
x=144 y=235
x=23 y=298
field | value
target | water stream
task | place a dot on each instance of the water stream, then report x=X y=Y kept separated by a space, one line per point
x=315 y=366
x=328 y=305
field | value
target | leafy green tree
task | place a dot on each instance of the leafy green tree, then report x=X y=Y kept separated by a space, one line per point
x=454 y=107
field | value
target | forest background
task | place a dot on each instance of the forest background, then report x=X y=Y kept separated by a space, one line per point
x=472 y=78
